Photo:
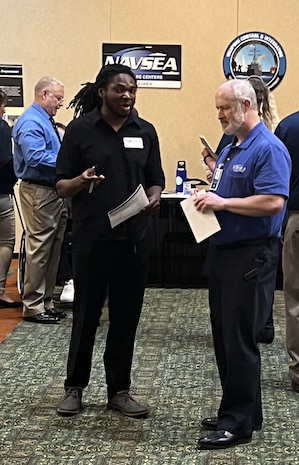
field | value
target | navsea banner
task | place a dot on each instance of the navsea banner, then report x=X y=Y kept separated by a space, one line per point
x=153 y=65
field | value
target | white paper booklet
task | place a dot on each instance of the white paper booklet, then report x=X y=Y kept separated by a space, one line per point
x=203 y=225
x=130 y=207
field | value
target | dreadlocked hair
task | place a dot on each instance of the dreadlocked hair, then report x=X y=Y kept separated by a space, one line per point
x=88 y=98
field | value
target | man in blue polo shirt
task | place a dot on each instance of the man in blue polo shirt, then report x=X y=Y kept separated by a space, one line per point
x=248 y=193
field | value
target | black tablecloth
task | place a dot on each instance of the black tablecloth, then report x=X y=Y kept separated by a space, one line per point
x=176 y=259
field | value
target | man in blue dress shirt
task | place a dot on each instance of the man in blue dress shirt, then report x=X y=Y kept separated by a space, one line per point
x=36 y=145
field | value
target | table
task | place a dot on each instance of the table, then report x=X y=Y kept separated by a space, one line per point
x=176 y=260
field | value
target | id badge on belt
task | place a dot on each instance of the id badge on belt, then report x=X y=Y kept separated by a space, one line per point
x=216 y=178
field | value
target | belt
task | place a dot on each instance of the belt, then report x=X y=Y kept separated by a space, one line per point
x=39 y=183
x=249 y=242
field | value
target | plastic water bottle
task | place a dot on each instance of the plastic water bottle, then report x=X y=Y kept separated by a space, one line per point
x=181 y=176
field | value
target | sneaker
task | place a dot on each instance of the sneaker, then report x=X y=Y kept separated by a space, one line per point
x=125 y=404
x=71 y=403
x=67 y=294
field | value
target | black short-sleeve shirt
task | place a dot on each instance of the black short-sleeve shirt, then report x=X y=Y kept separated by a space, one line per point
x=126 y=158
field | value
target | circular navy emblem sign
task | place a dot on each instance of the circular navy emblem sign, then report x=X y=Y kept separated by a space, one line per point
x=255 y=53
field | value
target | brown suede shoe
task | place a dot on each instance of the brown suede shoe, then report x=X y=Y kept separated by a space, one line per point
x=125 y=404
x=71 y=404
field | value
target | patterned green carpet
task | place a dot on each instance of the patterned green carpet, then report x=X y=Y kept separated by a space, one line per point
x=173 y=372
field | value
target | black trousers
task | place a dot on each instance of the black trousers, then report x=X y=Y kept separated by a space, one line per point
x=122 y=268
x=241 y=290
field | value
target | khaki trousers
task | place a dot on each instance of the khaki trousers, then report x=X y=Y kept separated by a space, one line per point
x=45 y=216
x=290 y=267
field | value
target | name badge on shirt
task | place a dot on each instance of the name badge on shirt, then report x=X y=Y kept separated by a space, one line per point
x=217 y=177
x=133 y=142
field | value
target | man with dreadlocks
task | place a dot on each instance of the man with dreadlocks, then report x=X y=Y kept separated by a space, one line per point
x=105 y=154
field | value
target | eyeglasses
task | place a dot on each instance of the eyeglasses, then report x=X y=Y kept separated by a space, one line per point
x=59 y=98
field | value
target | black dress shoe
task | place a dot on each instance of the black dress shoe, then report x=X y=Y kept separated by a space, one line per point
x=210 y=423
x=42 y=318
x=5 y=304
x=54 y=312
x=221 y=439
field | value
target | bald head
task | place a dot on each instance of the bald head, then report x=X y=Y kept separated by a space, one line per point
x=239 y=89
x=49 y=93
x=237 y=107
x=46 y=83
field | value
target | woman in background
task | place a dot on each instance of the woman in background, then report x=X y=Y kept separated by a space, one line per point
x=7 y=217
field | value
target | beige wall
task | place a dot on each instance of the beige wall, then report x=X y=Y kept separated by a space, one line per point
x=64 y=39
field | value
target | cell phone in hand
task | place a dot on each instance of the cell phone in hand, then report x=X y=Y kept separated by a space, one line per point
x=204 y=141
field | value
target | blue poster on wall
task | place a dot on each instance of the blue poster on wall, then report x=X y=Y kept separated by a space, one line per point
x=258 y=54
x=153 y=65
